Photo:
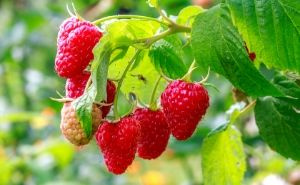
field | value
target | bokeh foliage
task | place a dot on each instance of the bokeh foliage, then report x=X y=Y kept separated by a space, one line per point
x=32 y=149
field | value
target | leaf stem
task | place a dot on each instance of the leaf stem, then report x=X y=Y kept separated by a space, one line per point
x=116 y=113
x=149 y=41
x=174 y=28
x=164 y=16
x=187 y=76
x=153 y=105
x=248 y=108
x=245 y=110
x=104 y=19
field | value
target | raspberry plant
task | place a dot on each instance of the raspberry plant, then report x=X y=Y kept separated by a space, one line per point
x=142 y=55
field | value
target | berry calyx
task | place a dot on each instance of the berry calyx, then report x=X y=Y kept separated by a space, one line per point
x=71 y=128
x=118 y=143
x=184 y=104
x=75 y=42
x=155 y=133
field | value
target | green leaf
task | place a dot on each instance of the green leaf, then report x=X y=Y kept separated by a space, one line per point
x=139 y=58
x=187 y=15
x=287 y=85
x=140 y=80
x=279 y=125
x=290 y=88
x=125 y=32
x=99 y=68
x=119 y=53
x=271 y=28
x=223 y=157
x=167 y=58
x=217 y=44
x=83 y=107
x=153 y=3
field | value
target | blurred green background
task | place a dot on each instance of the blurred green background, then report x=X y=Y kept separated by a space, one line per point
x=32 y=149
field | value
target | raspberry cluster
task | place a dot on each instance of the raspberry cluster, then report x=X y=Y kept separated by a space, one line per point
x=146 y=131
x=75 y=42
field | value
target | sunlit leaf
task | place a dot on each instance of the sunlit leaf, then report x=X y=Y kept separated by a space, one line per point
x=187 y=15
x=140 y=80
x=223 y=159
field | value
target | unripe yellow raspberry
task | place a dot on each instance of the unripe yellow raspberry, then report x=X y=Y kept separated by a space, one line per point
x=71 y=128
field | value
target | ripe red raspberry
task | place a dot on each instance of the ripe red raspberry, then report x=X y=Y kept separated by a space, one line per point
x=71 y=128
x=110 y=92
x=155 y=133
x=184 y=104
x=118 y=143
x=75 y=86
x=75 y=42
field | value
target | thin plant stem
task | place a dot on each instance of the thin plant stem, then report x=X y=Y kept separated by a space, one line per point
x=104 y=19
x=153 y=105
x=116 y=113
x=172 y=30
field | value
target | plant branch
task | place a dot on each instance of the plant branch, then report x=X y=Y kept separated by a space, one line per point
x=174 y=28
x=165 y=17
x=116 y=113
x=104 y=19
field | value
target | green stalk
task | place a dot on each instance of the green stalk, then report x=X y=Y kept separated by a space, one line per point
x=248 y=108
x=187 y=76
x=153 y=104
x=174 y=28
x=116 y=113
x=99 y=21
x=244 y=111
